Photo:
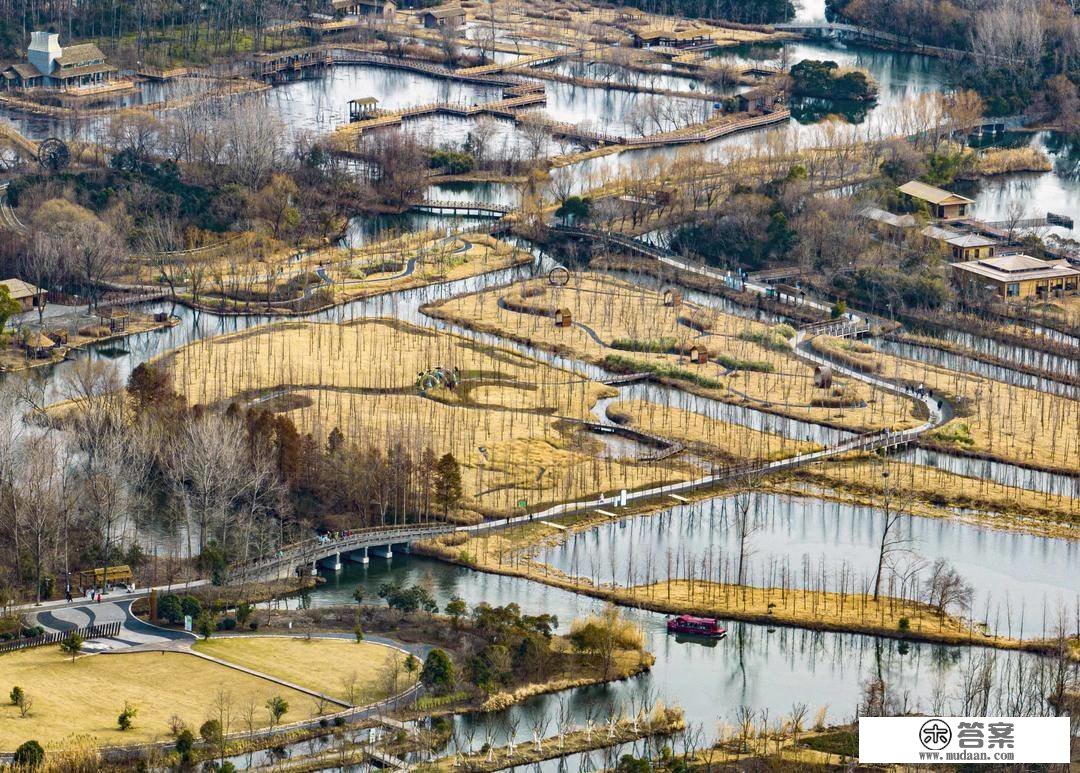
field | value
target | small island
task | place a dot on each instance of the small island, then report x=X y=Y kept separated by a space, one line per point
x=827 y=80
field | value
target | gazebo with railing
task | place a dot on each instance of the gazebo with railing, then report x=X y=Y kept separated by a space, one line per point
x=362 y=108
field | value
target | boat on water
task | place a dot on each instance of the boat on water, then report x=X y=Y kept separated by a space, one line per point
x=708 y=627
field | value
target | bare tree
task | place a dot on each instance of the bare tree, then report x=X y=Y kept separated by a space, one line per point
x=746 y=522
x=96 y=252
x=254 y=144
x=449 y=32
x=945 y=588
x=891 y=539
x=209 y=472
x=44 y=488
x=42 y=265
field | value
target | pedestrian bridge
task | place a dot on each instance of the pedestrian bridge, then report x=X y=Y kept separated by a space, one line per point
x=357 y=546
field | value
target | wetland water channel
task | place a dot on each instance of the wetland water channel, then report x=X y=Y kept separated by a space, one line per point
x=405 y=305
x=757 y=666
x=318 y=105
x=754 y=666
x=1018 y=575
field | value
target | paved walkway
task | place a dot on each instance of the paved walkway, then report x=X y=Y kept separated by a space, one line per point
x=133 y=631
x=113 y=595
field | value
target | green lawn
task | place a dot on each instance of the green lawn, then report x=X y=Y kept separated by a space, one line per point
x=85 y=697
x=324 y=665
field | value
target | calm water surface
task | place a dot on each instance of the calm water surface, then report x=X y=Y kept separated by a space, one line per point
x=753 y=666
x=1010 y=572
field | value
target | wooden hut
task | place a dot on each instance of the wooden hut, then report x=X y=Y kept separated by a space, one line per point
x=699 y=355
x=563 y=318
x=28 y=296
x=823 y=376
x=443 y=16
x=39 y=345
x=672 y=297
x=115 y=319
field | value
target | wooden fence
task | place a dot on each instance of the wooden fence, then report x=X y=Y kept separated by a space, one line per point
x=89 y=632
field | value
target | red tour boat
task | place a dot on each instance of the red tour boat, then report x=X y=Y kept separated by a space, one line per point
x=696 y=626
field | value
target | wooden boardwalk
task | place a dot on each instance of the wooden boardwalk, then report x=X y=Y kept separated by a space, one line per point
x=702 y=132
x=531 y=60
x=507 y=107
x=11 y=136
x=8 y=219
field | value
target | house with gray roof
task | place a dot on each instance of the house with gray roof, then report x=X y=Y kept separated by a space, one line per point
x=52 y=66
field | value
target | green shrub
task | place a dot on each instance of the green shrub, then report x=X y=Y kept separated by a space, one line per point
x=959 y=433
x=29 y=755
x=438 y=672
x=127 y=716
x=824 y=80
x=72 y=644
x=210 y=731
x=775 y=338
x=655 y=346
x=841 y=742
x=620 y=364
x=452 y=161
x=169 y=608
x=185 y=740
x=734 y=363
x=189 y=605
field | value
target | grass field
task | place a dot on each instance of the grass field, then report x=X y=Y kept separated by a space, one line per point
x=506 y=421
x=1011 y=422
x=324 y=665
x=85 y=697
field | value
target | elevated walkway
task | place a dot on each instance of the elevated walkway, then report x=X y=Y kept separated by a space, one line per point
x=466 y=208
x=306 y=555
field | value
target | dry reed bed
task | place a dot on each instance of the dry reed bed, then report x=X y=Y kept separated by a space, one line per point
x=248 y=270
x=504 y=422
x=928 y=491
x=745 y=365
x=1011 y=423
x=720 y=440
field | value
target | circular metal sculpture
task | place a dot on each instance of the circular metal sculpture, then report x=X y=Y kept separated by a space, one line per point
x=53 y=154
x=559 y=275
x=429 y=379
